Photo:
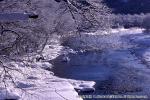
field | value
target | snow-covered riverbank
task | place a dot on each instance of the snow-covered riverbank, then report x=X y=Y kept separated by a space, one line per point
x=35 y=81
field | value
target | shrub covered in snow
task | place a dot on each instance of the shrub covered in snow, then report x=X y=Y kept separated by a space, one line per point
x=128 y=21
x=146 y=22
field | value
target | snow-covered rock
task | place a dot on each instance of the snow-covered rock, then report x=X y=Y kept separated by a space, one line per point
x=84 y=86
x=43 y=65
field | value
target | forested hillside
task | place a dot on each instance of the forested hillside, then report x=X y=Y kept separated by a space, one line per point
x=129 y=6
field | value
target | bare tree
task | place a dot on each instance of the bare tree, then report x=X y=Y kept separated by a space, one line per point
x=67 y=16
x=88 y=15
x=72 y=16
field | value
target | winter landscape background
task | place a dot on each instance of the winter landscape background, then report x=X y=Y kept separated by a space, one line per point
x=74 y=49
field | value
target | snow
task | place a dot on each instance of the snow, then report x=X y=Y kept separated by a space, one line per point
x=13 y=16
x=103 y=40
x=8 y=93
x=38 y=83
x=126 y=52
x=43 y=65
x=34 y=82
x=84 y=86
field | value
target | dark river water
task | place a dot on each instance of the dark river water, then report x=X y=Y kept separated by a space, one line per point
x=85 y=66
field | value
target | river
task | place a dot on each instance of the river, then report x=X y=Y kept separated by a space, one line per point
x=121 y=71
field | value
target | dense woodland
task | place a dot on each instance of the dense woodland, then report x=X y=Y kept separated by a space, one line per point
x=129 y=6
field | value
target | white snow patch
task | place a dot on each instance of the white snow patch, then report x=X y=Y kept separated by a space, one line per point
x=8 y=94
x=84 y=86
x=39 y=84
